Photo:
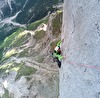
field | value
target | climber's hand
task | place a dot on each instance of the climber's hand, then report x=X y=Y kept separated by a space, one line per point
x=62 y=40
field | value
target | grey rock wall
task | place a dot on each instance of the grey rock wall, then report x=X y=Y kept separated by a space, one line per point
x=80 y=72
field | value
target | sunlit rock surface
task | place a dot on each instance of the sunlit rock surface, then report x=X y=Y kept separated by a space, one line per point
x=80 y=72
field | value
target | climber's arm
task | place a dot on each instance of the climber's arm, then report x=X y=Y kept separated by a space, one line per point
x=58 y=44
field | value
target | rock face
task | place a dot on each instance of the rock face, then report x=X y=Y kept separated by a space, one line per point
x=80 y=72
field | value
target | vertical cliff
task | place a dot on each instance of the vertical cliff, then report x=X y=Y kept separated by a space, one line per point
x=80 y=72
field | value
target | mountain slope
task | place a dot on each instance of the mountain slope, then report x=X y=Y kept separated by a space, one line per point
x=80 y=72
x=18 y=13
x=27 y=69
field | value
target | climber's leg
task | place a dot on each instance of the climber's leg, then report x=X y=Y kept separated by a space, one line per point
x=59 y=63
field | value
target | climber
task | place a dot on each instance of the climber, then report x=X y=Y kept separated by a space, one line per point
x=58 y=47
x=57 y=54
x=57 y=58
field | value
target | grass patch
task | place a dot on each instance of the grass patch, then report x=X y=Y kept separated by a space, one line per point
x=1 y=43
x=1 y=53
x=5 y=58
x=34 y=25
x=20 y=68
x=17 y=39
x=10 y=53
x=1 y=50
x=23 y=53
x=7 y=68
x=40 y=59
x=6 y=94
x=20 y=39
x=7 y=42
x=39 y=35
x=57 y=24
x=59 y=12
x=24 y=71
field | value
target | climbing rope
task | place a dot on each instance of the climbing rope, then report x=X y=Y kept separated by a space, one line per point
x=84 y=65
